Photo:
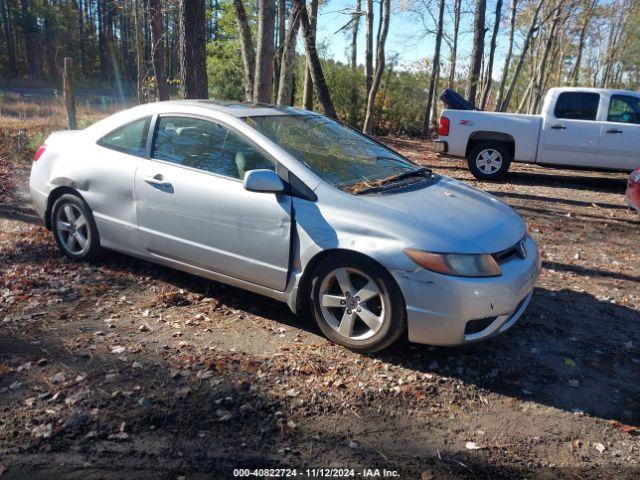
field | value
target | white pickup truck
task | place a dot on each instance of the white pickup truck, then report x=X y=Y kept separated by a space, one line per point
x=585 y=128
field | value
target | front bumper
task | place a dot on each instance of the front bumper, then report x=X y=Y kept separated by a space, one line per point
x=440 y=146
x=439 y=307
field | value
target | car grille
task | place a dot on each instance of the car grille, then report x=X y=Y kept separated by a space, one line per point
x=517 y=250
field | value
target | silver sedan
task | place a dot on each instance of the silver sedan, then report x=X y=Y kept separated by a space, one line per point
x=295 y=206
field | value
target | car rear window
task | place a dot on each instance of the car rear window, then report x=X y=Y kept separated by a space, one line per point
x=577 y=105
x=130 y=138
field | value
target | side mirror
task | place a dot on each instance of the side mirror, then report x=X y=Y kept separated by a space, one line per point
x=263 y=181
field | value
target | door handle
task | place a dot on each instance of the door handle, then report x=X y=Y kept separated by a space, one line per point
x=615 y=131
x=157 y=180
x=558 y=127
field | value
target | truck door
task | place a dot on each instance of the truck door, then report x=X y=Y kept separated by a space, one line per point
x=571 y=132
x=619 y=146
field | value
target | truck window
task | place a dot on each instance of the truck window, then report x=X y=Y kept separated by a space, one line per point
x=577 y=105
x=624 y=109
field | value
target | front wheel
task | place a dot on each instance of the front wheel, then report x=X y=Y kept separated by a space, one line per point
x=74 y=229
x=357 y=304
x=489 y=160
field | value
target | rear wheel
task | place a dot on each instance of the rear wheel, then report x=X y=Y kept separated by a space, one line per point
x=357 y=304
x=489 y=160
x=74 y=229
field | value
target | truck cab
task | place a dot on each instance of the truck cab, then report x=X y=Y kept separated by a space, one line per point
x=577 y=127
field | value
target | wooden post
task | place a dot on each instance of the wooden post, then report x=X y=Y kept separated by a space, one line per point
x=69 y=100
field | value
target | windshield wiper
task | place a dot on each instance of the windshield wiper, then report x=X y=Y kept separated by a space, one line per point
x=381 y=185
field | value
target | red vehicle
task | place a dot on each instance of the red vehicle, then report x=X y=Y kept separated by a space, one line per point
x=633 y=190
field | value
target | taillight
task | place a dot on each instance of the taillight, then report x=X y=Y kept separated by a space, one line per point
x=443 y=130
x=40 y=151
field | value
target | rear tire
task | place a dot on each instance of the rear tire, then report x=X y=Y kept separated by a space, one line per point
x=489 y=160
x=356 y=303
x=74 y=228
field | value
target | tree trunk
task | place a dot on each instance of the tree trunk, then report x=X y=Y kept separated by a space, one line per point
x=139 y=51
x=8 y=37
x=494 y=40
x=435 y=67
x=368 y=49
x=193 y=53
x=30 y=32
x=507 y=58
x=353 y=111
x=282 y=32
x=539 y=76
x=246 y=47
x=69 y=99
x=319 y=83
x=477 y=54
x=380 y=64
x=157 y=49
x=307 y=90
x=523 y=54
x=454 y=47
x=285 y=84
x=263 y=80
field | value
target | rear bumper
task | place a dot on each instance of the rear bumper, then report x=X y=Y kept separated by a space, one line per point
x=439 y=307
x=39 y=200
x=440 y=146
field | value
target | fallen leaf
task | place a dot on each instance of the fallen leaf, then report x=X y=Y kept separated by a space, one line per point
x=600 y=447
x=472 y=446
x=625 y=428
x=577 y=443
x=118 y=349
x=569 y=362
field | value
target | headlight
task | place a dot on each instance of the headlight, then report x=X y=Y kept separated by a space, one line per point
x=457 y=264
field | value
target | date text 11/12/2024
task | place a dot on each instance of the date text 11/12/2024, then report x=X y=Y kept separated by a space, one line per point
x=315 y=473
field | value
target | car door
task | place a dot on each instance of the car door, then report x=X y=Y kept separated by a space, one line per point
x=570 y=133
x=192 y=206
x=109 y=189
x=619 y=146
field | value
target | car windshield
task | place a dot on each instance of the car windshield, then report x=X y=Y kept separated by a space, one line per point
x=339 y=155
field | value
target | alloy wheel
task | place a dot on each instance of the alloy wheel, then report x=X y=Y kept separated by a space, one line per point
x=489 y=161
x=72 y=229
x=351 y=303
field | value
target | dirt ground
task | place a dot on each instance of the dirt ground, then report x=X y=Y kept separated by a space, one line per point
x=123 y=369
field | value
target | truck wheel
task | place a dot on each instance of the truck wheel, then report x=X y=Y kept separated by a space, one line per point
x=489 y=160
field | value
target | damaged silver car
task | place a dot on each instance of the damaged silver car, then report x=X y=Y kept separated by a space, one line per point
x=296 y=206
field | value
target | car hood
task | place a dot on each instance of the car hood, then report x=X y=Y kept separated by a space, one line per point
x=466 y=219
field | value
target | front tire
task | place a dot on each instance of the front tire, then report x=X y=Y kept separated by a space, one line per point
x=489 y=160
x=74 y=228
x=357 y=304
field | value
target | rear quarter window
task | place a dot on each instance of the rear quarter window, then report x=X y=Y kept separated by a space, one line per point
x=577 y=105
x=130 y=138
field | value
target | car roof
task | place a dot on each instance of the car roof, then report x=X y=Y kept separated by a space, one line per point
x=234 y=109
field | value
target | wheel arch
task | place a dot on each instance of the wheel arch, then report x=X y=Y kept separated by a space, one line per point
x=304 y=284
x=54 y=195
x=489 y=136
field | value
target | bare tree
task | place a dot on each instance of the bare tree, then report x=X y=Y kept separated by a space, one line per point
x=380 y=64
x=307 y=91
x=477 y=54
x=492 y=49
x=263 y=80
x=157 y=49
x=246 y=48
x=139 y=52
x=285 y=84
x=353 y=112
x=368 y=48
x=507 y=58
x=313 y=61
x=586 y=19
x=193 y=55
x=533 y=26
x=435 y=69
x=457 y=10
